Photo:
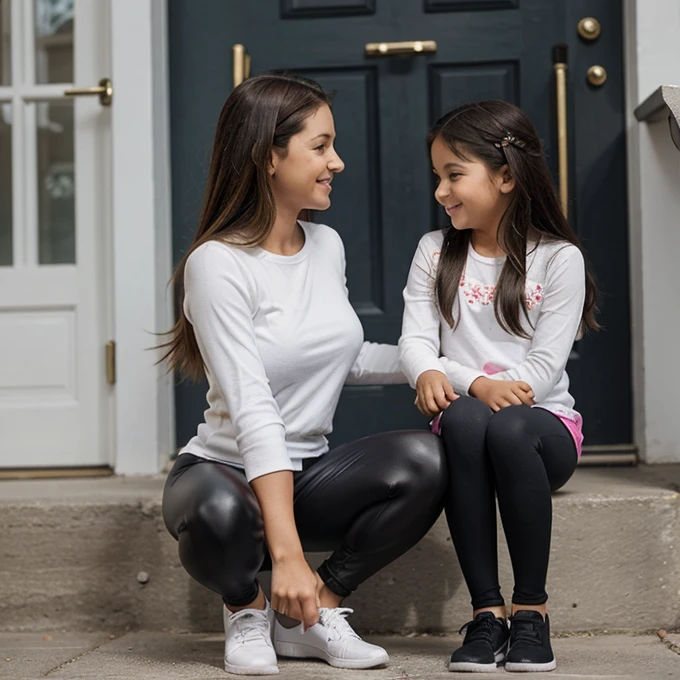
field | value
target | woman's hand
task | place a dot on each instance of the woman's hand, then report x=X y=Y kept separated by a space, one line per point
x=294 y=586
x=433 y=393
x=295 y=591
x=498 y=394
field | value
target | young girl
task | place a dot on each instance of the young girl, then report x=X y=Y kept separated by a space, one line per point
x=265 y=314
x=493 y=305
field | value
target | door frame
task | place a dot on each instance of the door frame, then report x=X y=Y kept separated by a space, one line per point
x=142 y=236
x=651 y=56
x=142 y=220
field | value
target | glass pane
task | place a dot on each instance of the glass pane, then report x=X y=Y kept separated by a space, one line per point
x=5 y=43
x=56 y=185
x=5 y=185
x=53 y=41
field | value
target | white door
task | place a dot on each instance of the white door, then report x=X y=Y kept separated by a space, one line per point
x=54 y=235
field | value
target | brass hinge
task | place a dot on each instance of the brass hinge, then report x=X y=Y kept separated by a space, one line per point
x=111 y=362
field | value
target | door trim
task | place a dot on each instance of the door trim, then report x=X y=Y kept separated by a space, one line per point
x=142 y=239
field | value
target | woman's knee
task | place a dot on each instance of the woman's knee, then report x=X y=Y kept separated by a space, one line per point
x=418 y=463
x=224 y=517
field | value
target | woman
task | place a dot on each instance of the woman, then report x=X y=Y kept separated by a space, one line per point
x=265 y=314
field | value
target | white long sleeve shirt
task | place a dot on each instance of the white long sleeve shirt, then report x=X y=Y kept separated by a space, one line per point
x=555 y=294
x=279 y=338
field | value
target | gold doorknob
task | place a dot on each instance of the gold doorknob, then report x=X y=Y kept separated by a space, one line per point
x=104 y=91
x=405 y=47
x=589 y=29
x=597 y=75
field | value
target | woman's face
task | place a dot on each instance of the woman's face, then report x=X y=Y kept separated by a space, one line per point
x=301 y=179
x=473 y=197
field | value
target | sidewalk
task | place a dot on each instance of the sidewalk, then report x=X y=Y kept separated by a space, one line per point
x=167 y=656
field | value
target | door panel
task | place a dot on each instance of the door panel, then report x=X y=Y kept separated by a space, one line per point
x=53 y=392
x=383 y=106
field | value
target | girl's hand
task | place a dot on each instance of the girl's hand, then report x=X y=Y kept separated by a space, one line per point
x=498 y=394
x=434 y=393
x=294 y=590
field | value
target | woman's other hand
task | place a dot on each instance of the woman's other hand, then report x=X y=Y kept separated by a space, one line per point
x=294 y=590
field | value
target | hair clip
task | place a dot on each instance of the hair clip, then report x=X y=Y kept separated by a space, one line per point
x=510 y=139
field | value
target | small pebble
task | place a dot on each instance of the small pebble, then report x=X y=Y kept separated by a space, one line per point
x=142 y=577
x=112 y=637
x=47 y=638
x=662 y=633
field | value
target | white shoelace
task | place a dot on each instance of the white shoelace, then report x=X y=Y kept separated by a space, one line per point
x=251 y=625
x=335 y=622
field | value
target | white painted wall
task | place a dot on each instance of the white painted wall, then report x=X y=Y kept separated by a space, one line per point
x=144 y=432
x=653 y=59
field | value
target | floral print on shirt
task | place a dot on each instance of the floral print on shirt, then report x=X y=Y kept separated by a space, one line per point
x=483 y=294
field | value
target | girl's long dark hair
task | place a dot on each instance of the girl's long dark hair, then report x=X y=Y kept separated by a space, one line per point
x=472 y=132
x=259 y=116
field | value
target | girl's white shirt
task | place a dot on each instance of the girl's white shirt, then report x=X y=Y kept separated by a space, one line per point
x=555 y=294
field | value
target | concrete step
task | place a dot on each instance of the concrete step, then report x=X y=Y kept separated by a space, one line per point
x=172 y=656
x=71 y=552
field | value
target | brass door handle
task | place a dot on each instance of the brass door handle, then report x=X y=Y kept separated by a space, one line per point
x=241 y=64
x=560 y=66
x=407 y=47
x=104 y=91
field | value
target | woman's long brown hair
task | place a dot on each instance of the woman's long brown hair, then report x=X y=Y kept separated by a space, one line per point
x=472 y=132
x=259 y=116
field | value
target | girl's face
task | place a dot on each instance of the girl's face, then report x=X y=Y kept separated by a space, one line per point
x=301 y=179
x=473 y=196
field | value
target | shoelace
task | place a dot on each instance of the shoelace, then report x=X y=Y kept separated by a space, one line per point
x=478 y=629
x=251 y=625
x=526 y=631
x=335 y=622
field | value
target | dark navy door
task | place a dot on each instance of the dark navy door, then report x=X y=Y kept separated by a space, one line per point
x=383 y=202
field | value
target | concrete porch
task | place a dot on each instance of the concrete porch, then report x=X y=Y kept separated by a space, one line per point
x=171 y=656
x=72 y=552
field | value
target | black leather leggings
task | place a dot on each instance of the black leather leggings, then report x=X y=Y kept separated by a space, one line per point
x=521 y=454
x=369 y=501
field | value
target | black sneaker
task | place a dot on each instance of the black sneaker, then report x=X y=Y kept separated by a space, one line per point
x=530 y=648
x=484 y=646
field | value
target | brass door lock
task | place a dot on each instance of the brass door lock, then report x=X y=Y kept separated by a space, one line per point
x=589 y=29
x=597 y=75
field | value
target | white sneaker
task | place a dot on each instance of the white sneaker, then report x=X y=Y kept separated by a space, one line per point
x=332 y=639
x=248 y=649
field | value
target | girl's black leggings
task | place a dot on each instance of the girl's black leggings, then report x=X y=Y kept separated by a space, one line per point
x=368 y=501
x=520 y=454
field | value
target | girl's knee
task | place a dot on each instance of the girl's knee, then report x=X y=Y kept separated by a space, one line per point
x=465 y=412
x=508 y=431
